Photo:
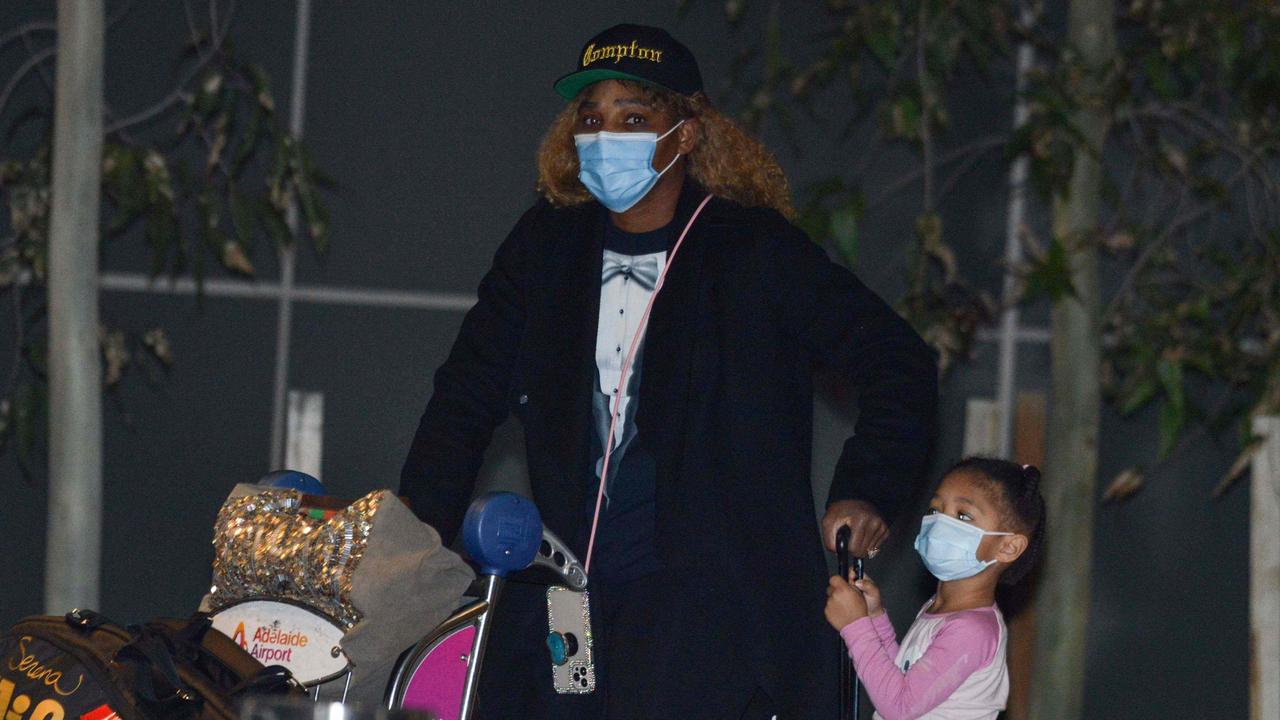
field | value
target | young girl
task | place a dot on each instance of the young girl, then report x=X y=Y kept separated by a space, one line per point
x=985 y=525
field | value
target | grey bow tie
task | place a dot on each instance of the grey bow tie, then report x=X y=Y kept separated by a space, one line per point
x=644 y=270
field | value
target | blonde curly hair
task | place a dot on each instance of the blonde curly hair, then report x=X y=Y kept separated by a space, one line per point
x=726 y=161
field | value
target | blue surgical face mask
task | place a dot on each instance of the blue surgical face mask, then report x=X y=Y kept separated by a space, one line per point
x=949 y=547
x=617 y=168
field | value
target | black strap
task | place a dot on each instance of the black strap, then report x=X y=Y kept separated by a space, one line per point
x=85 y=620
x=152 y=653
x=194 y=631
x=270 y=679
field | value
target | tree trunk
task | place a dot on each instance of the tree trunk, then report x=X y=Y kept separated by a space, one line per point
x=1062 y=598
x=73 y=553
x=1264 y=573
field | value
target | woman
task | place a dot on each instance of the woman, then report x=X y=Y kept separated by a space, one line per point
x=707 y=490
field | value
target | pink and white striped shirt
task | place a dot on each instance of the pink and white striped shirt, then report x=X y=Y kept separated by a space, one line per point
x=949 y=666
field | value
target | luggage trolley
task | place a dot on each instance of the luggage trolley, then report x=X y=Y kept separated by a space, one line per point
x=439 y=674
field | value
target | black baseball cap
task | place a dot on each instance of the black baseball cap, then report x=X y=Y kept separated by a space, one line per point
x=634 y=52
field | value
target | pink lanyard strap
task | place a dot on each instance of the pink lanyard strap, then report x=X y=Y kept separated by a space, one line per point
x=622 y=381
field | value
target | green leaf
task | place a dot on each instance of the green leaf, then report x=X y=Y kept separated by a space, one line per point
x=262 y=88
x=198 y=272
x=313 y=210
x=125 y=185
x=273 y=222
x=882 y=40
x=775 y=61
x=1230 y=39
x=122 y=220
x=815 y=221
x=6 y=421
x=820 y=190
x=1173 y=414
x=1051 y=277
x=234 y=259
x=1138 y=395
x=1124 y=485
x=185 y=119
x=1022 y=141
x=215 y=240
x=844 y=231
x=1244 y=432
x=210 y=213
x=316 y=216
x=904 y=117
x=37 y=354
x=243 y=218
x=276 y=177
x=162 y=236
x=208 y=96
x=1172 y=418
x=1164 y=83
x=1170 y=373
x=248 y=141
x=1200 y=308
x=1205 y=362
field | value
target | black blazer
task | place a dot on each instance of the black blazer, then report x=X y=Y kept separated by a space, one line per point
x=749 y=310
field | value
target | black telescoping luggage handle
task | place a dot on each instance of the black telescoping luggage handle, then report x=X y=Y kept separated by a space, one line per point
x=849 y=685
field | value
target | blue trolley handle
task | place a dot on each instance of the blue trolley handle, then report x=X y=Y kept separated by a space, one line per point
x=850 y=688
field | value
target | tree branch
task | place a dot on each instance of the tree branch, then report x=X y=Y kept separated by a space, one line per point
x=191 y=21
x=960 y=172
x=19 y=344
x=926 y=110
x=1192 y=120
x=215 y=45
x=1149 y=251
x=26 y=31
x=979 y=146
x=45 y=77
x=26 y=67
x=23 y=30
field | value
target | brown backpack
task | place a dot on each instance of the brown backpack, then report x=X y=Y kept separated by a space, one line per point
x=83 y=667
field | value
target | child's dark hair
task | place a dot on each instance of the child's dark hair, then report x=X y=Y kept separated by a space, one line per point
x=1018 y=489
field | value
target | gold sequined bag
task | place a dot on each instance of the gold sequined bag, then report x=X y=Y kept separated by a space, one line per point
x=370 y=567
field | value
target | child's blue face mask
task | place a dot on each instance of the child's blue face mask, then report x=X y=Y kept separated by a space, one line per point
x=949 y=547
x=617 y=168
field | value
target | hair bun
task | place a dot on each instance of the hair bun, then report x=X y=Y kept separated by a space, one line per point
x=1031 y=474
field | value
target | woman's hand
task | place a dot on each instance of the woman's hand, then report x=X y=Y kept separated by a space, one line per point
x=870 y=593
x=868 y=529
x=844 y=603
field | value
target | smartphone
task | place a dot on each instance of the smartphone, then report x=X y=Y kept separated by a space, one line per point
x=569 y=640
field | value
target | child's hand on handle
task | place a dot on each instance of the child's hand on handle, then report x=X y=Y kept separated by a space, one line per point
x=870 y=593
x=844 y=603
